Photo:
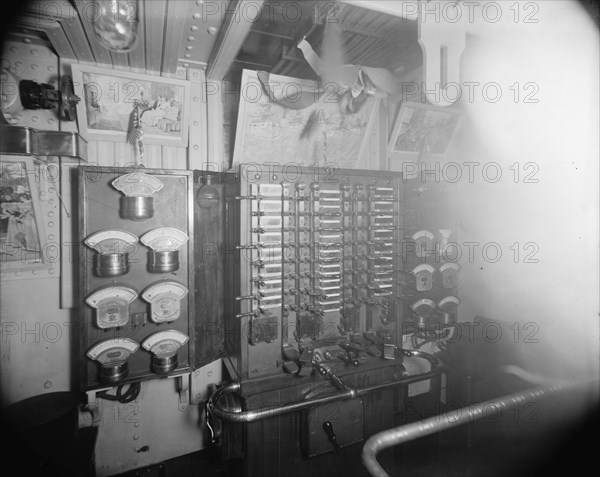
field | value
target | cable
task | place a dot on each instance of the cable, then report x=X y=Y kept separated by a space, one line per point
x=130 y=395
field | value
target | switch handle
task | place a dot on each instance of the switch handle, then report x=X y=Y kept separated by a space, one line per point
x=328 y=428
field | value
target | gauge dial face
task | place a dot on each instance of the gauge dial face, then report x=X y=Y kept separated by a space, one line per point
x=137 y=184
x=113 y=351
x=423 y=277
x=449 y=275
x=449 y=303
x=111 y=241
x=112 y=305
x=165 y=343
x=164 y=239
x=424 y=307
x=424 y=241
x=165 y=298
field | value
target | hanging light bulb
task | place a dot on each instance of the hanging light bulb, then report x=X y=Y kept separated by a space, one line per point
x=116 y=24
x=208 y=194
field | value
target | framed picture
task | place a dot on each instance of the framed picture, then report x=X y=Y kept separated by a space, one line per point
x=307 y=130
x=24 y=249
x=108 y=98
x=422 y=128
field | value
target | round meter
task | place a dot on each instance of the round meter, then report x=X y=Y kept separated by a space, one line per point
x=164 y=346
x=112 y=356
x=164 y=298
x=112 y=305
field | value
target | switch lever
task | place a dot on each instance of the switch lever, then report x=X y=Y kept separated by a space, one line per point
x=328 y=428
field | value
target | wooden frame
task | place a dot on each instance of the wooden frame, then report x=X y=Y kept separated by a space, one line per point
x=422 y=128
x=108 y=98
x=23 y=244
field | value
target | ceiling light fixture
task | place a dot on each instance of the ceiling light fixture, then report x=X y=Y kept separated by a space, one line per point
x=116 y=24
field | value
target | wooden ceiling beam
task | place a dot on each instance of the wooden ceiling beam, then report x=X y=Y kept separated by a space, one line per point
x=237 y=25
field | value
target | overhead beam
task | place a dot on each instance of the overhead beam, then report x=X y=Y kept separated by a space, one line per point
x=239 y=18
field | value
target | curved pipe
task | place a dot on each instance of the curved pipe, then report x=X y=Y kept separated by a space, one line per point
x=348 y=393
x=408 y=432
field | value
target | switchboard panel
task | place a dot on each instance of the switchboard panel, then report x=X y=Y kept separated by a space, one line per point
x=316 y=272
x=136 y=292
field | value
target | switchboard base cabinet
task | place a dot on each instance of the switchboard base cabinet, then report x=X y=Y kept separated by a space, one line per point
x=323 y=440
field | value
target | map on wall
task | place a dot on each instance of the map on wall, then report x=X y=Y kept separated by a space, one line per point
x=314 y=125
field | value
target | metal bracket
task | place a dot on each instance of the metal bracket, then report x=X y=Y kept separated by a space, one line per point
x=183 y=387
x=32 y=142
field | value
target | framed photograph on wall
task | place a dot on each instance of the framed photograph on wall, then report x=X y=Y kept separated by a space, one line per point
x=24 y=248
x=422 y=128
x=108 y=98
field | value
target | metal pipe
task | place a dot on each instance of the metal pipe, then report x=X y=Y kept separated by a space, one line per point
x=425 y=427
x=349 y=393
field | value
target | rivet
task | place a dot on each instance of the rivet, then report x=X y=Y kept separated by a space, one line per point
x=51 y=201
x=187 y=55
x=196 y=147
x=212 y=30
x=199 y=2
x=135 y=437
x=34 y=67
x=18 y=63
x=33 y=51
x=51 y=271
x=191 y=38
x=257 y=176
x=48 y=384
x=185 y=65
x=197 y=16
x=50 y=214
x=209 y=374
x=34 y=272
x=189 y=47
x=195 y=123
x=26 y=40
x=136 y=424
x=51 y=121
x=13 y=49
x=51 y=237
x=274 y=178
x=195 y=99
x=50 y=68
x=35 y=119
x=50 y=224
x=51 y=190
x=194 y=28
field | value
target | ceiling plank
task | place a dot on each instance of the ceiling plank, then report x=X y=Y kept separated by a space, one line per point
x=236 y=27
x=176 y=13
x=154 y=19
x=85 y=11
x=137 y=56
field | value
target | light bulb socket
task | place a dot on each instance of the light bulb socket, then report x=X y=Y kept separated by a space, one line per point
x=163 y=261
x=112 y=264
x=137 y=207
